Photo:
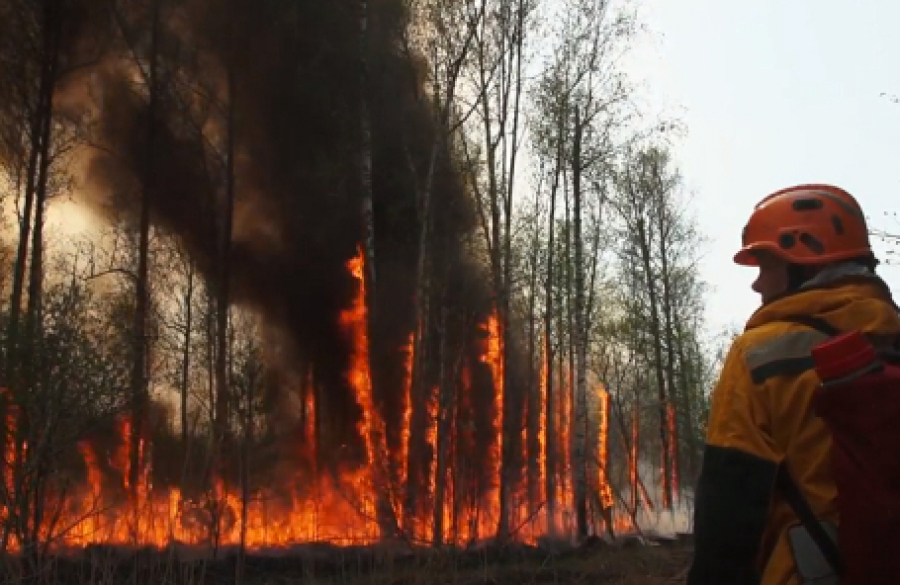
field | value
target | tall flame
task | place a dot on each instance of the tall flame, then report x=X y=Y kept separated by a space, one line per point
x=606 y=496
x=493 y=357
x=340 y=507
x=405 y=421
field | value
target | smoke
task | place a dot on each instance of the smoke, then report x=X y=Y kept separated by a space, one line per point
x=296 y=89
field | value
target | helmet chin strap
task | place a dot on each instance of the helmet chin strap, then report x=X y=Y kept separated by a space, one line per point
x=797 y=275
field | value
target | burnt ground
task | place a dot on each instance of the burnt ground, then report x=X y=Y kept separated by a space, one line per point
x=628 y=562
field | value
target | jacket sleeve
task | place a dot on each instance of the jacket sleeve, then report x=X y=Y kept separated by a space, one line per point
x=736 y=481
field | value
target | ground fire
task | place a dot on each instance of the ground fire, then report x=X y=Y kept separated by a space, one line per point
x=105 y=508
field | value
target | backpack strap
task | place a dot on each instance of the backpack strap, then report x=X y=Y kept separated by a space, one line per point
x=790 y=355
x=817 y=323
x=801 y=508
x=786 y=483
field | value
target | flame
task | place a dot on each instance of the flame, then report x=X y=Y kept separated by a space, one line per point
x=340 y=507
x=309 y=418
x=405 y=421
x=493 y=357
x=633 y=459
x=354 y=320
x=431 y=437
x=10 y=463
x=565 y=495
x=606 y=496
x=544 y=424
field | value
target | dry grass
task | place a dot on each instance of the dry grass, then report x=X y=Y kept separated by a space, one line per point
x=635 y=565
x=656 y=565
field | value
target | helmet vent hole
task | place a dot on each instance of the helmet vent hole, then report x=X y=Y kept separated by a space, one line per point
x=838 y=225
x=812 y=243
x=807 y=204
x=786 y=241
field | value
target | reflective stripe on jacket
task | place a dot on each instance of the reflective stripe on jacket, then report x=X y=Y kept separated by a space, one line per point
x=762 y=415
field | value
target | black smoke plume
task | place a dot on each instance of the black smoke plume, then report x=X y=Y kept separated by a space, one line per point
x=296 y=77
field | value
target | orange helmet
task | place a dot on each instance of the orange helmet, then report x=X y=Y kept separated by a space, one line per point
x=806 y=224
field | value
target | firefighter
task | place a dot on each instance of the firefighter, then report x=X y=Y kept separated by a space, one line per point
x=811 y=246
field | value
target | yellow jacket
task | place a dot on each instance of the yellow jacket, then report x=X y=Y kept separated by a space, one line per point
x=762 y=416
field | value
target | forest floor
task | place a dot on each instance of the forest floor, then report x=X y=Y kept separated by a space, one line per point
x=638 y=565
x=627 y=562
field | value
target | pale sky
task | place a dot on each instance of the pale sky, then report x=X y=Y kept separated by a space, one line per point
x=775 y=93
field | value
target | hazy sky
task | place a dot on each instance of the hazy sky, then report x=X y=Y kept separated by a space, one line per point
x=775 y=93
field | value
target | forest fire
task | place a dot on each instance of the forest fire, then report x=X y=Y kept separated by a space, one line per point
x=342 y=508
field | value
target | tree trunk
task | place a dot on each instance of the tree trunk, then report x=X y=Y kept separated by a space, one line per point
x=38 y=127
x=533 y=405
x=445 y=412
x=579 y=340
x=186 y=351
x=550 y=430
x=687 y=382
x=511 y=469
x=223 y=293
x=666 y=276
x=36 y=276
x=657 y=334
x=142 y=287
x=365 y=122
x=245 y=470
x=421 y=300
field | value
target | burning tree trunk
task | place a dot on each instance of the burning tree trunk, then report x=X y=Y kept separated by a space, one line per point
x=444 y=420
x=535 y=389
x=550 y=448
x=384 y=510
